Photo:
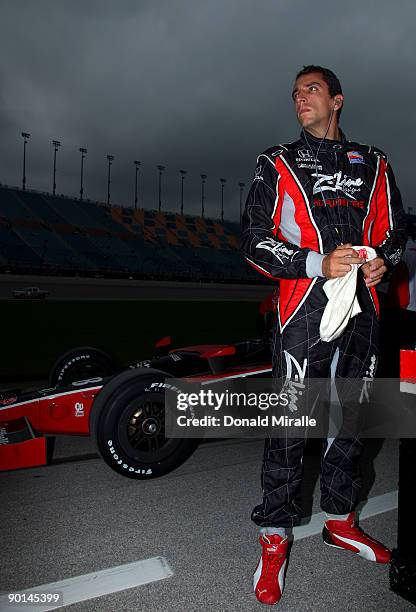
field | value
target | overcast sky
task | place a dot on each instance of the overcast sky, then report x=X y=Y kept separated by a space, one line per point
x=197 y=85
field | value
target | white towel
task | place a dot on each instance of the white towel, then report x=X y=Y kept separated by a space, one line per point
x=342 y=300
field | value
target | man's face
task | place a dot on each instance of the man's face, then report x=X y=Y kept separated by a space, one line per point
x=313 y=103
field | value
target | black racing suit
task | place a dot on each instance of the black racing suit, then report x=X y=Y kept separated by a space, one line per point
x=307 y=198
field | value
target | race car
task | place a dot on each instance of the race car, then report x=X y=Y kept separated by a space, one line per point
x=124 y=412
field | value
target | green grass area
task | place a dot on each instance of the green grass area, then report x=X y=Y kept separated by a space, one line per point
x=34 y=334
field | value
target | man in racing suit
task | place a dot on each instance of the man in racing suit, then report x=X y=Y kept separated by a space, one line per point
x=312 y=200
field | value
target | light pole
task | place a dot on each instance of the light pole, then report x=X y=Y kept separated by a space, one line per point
x=83 y=152
x=137 y=164
x=160 y=168
x=203 y=178
x=110 y=159
x=241 y=185
x=223 y=181
x=56 y=144
x=26 y=137
x=183 y=172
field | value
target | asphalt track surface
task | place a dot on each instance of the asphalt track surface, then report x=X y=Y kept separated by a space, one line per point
x=61 y=288
x=77 y=516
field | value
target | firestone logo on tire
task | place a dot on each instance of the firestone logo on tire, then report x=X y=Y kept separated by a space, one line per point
x=125 y=466
x=162 y=385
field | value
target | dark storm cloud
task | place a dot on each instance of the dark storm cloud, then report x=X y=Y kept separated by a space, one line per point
x=201 y=86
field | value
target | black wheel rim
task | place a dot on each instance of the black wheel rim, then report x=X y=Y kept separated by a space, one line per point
x=141 y=430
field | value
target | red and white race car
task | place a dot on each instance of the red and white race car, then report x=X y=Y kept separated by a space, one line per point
x=124 y=409
x=124 y=412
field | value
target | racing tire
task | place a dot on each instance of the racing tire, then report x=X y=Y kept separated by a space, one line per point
x=127 y=421
x=81 y=363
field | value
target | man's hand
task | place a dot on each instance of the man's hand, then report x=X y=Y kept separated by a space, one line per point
x=338 y=263
x=373 y=271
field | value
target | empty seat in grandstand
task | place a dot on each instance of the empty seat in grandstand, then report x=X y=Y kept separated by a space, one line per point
x=46 y=232
x=190 y=261
x=114 y=249
x=138 y=216
x=71 y=211
x=101 y=217
x=222 y=241
x=43 y=243
x=13 y=207
x=218 y=228
x=15 y=250
x=231 y=228
x=41 y=207
x=224 y=265
x=80 y=244
x=51 y=247
x=151 y=261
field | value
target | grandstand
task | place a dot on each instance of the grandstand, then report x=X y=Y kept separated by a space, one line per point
x=44 y=234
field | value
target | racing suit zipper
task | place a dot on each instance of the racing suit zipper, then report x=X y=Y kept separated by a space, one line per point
x=338 y=240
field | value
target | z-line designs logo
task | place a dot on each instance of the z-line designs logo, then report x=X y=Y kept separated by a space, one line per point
x=336 y=182
x=279 y=249
x=368 y=380
x=295 y=375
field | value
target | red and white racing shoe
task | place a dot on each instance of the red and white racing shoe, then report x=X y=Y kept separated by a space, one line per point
x=345 y=534
x=269 y=577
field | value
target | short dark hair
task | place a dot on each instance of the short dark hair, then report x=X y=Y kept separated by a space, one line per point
x=330 y=78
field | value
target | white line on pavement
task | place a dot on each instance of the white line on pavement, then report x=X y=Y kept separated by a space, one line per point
x=96 y=584
x=114 y=579
x=375 y=505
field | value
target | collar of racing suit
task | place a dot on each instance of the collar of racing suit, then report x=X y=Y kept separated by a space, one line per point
x=325 y=143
